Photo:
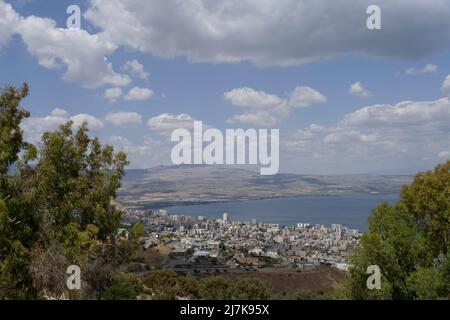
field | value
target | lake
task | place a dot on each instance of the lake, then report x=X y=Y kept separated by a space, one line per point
x=350 y=211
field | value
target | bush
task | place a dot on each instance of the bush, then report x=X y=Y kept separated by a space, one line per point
x=120 y=291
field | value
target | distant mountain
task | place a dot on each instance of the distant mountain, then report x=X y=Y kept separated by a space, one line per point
x=175 y=185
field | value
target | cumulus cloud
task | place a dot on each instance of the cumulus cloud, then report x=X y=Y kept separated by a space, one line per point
x=34 y=127
x=429 y=68
x=375 y=138
x=358 y=90
x=446 y=86
x=404 y=113
x=444 y=154
x=92 y=122
x=112 y=94
x=248 y=97
x=265 y=33
x=256 y=119
x=268 y=109
x=81 y=54
x=139 y=94
x=273 y=32
x=303 y=97
x=9 y=21
x=124 y=119
x=58 y=112
x=136 y=69
x=165 y=123
x=146 y=153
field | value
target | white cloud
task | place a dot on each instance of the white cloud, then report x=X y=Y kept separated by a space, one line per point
x=248 y=97
x=9 y=20
x=404 y=113
x=374 y=138
x=139 y=94
x=446 y=86
x=272 y=32
x=136 y=69
x=112 y=94
x=124 y=119
x=92 y=122
x=429 y=68
x=146 y=153
x=444 y=154
x=58 y=112
x=83 y=54
x=303 y=97
x=264 y=119
x=358 y=90
x=268 y=109
x=165 y=123
x=34 y=127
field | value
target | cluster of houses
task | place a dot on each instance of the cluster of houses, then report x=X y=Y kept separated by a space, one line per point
x=236 y=244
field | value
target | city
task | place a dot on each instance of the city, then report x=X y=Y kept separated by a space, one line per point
x=202 y=244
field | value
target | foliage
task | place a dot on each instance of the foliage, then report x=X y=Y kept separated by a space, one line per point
x=11 y=115
x=250 y=289
x=164 y=285
x=55 y=205
x=408 y=242
x=167 y=285
x=304 y=295
x=426 y=283
x=215 y=288
x=120 y=291
x=125 y=287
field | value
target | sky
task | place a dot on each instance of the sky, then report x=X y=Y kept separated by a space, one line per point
x=346 y=99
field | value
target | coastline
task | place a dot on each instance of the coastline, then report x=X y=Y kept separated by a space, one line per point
x=350 y=211
x=157 y=204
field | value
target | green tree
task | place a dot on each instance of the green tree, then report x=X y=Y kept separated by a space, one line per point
x=59 y=208
x=250 y=289
x=427 y=283
x=120 y=291
x=428 y=200
x=17 y=227
x=11 y=138
x=164 y=285
x=303 y=295
x=408 y=241
x=215 y=288
x=137 y=231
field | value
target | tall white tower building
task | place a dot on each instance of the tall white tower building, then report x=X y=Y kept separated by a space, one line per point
x=225 y=217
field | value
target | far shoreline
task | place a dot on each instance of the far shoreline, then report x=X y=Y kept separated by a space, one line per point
x=157 y=205
x=351 y=211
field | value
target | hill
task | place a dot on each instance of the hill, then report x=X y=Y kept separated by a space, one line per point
x=176 y=185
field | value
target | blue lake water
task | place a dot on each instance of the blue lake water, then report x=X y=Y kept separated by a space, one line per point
x=351 y=211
